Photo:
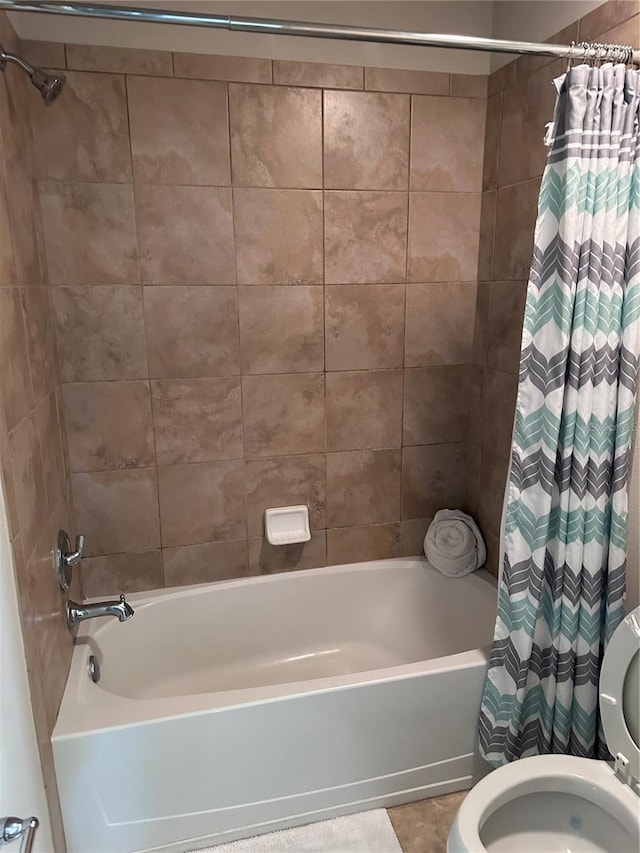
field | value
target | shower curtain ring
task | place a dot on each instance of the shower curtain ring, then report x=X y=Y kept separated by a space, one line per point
x=570 y=56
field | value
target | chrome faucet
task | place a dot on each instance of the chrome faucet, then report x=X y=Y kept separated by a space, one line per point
x=79 y=612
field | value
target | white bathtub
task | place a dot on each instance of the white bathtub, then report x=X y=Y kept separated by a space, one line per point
x=240 y=707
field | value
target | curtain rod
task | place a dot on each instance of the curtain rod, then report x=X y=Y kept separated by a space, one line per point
x=273 y=26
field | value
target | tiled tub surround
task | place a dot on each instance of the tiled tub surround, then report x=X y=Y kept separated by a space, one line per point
x=33 y=461
x=264 y=284
x=521 y=100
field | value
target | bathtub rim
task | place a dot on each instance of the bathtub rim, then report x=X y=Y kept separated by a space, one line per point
x=87 y=709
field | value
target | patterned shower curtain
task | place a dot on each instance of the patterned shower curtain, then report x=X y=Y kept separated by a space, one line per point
x=562 y=587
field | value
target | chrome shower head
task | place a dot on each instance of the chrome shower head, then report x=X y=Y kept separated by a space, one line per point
x=49 y=85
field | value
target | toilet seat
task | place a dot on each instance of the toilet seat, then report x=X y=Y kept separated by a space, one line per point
x=588 y=779
x=613 y=789
x=619 y=673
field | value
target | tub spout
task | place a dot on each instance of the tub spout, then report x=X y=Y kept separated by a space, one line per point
x=79 y=612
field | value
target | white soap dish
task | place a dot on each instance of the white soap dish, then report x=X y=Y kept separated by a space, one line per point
x=286 y=525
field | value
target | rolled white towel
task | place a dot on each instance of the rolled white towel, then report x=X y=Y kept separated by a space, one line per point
x=454 y=544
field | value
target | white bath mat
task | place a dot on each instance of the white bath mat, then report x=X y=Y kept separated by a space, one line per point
x=365 y=832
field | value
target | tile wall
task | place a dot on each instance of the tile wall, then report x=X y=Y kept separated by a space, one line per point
x=260 y=281
x=263 y=277
x=33 y=460
x=520 y=101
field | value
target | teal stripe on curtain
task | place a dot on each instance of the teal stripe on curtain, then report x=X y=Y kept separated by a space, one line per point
x=562 y=588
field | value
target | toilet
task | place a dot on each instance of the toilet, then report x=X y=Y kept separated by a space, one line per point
x=564 y=804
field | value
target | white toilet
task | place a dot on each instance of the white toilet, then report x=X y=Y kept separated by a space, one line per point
x=563 y=804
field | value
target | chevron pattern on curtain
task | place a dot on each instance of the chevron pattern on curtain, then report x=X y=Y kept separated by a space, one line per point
x=561 y=592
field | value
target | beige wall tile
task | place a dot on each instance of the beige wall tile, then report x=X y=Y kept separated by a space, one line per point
x=487 y=235
x=276 y=136
x=515 y=222
x=7 y=479
x=493 y=553
x=197 y=420
x=356 y=544
x=40 y=339
x=179 y=131
x=100 y=333
x=363 y=487
x=285 y=481
x=281 y=329
x=473 y=455
x=86 y=138
x=625 y=32
x=283 y=414
x=508 y=300
x=25 y=223
x=412 y=534
x=493 y=477
x=435 y=405
x=122 y=60
x=208 y=67
x=492 y=142
x=117 y=511
x=185 y=234
x=526 y=65
x=526 y=108
x=446 y=154
x=364 y=326
x=44 y=54
x=469 y=85
x=52 y=449
x=278 y=236
x=501 y=78
x=365 y=237
x=439 y=324
x=118 y=573
x=366 y=141
x=191 y=331
x=474 y=409
x=499 y=400
x=443 y=236
x=15 y=377
x=397 y=80
x=433 y=477
x=364 y=409
x=481 y=325
x=89 y=233
x=606 y=16
x=28 y=481
x=108 y=425
x=212 y=561
x=8 y=272
x=317 y=74
x=265 y=559
x=202 y=503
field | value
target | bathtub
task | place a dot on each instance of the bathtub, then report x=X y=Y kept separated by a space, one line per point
x=229 y=709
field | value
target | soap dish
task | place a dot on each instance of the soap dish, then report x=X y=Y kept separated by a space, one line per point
x=286 y=525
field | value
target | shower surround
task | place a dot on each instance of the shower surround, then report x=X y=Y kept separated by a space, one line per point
x=263 y=276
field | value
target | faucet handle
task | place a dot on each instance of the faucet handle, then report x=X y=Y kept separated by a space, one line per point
x=74 y=557
x=64 y=559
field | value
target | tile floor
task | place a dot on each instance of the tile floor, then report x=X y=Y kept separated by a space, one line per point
x=422 y=827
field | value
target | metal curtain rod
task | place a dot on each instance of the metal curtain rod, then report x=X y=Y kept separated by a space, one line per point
x=272 y=26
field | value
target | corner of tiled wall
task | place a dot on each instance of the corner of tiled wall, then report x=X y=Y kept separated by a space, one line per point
x=32 y=446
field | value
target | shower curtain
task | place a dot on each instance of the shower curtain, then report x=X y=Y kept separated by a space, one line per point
x=561 y=592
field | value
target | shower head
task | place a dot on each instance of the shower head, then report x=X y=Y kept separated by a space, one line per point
x=49 y=85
